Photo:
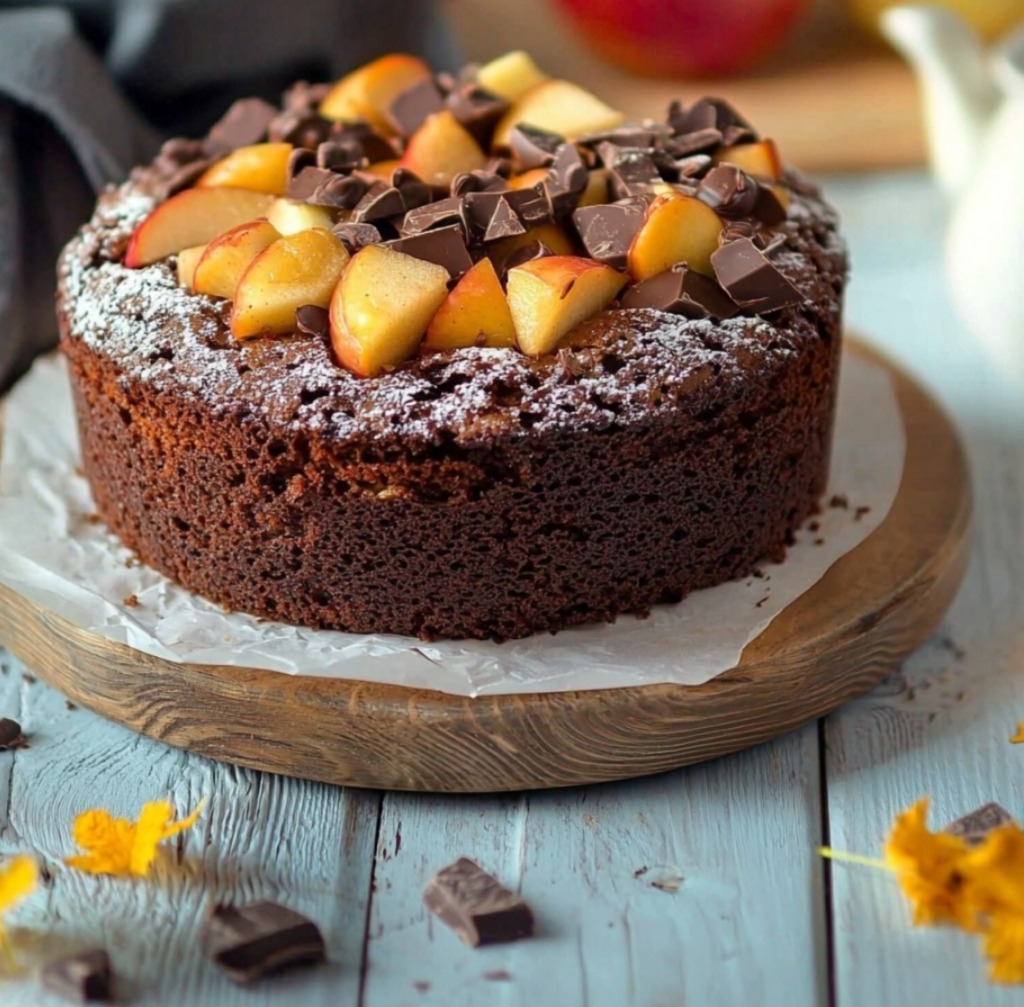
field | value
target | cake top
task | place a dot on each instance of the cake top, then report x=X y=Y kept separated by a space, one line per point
x=496 y=242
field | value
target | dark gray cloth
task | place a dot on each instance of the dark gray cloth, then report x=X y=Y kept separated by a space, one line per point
x=89 y=87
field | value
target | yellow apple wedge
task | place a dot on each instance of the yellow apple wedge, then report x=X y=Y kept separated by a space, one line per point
x=528 y=178
x=367 y=92
x=558 y=106
x=549 y=297
x=475 y=313
x=510 y=76
x=597 y=188
x=299 y=269
x=547 y=234
x=262 y=166
x=382 y=307
x=188 y=259
x=440 y=149
x=384 y=169
x=290 y=216
x=759 y=159
x=192 y=217
x=676 y=229
x=226 y=258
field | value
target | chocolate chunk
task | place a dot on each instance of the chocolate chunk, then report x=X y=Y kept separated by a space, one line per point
x=312 y=320
x=299 y=127
x=379 y=202
x=750 y=279
x=440 y=213
x=184 y=177
x=769 y=209
x=501 y=166
x=305 y=96
x=446 y=246
x=479 y=180
x=729 y=191
x=407 y=112
x=976 y=825
x=356 y=236
x=566 y=180
x=179 y=150
x=477 y=111
x=693 y=166
x=245 y=122
x=344 y=191
x=10 y=735
x=307 y=180
x=415 y=192
x=682 y=291
x=631 y=172
x=624 y=136
x=480 y=206
x=533 y=147
x=337 y=154
x=700 y=141
x=736 y=229
x=301 y=158
x=249 y=942
x=504 y=222
x=607 y=229
x=476 y=905
x=709 y=113
x=523 y=254
x=374 y=146
x=80 y=978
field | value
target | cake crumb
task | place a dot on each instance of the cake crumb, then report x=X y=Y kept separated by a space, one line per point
x=131 y=601
x=839 y=501
x=860 y=512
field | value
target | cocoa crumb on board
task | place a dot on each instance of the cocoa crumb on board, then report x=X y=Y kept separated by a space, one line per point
x=860 y=512
x=131 y=601
x=839 y=501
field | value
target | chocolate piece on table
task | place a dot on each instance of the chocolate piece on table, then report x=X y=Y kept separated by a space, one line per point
x=477 y=111
x=312 y=320
x=479 y=180
x=769 y=208
x=750 y=279
x=976 y=825
x=251 y=941
x=245 y=122
x=566 y=180
x=79 y=978
x=440 y=213
x=504 y=222
x=407 y=112
x=476 y=905
x=356 y=236
x=607 y=229
x=446 y=246
x=10 y=735
x=729 y=191
x=378 y=203
x=682 y=291
x=533 y=147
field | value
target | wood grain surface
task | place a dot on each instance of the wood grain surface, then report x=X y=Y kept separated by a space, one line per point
x=853 y=627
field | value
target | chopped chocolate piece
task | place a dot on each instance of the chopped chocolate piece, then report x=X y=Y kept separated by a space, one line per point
x=407 y=112
x=415 y=192
x=249 y=942
x=693 y=166
x=607 y=229
x=339 y=154
x=524 y=254
x=534 y=204
x=976 y=825
x=566 y=180
x=480 y=180
x=533 y=147
x=179 y=150
x=312 y=320
x=305 y=96
x=344 y=191
x=441 y=213
x=244 y=123
x=10 y=735
x=300 y=127
x=301 y=158
x=709 y=113
x=625 y=136
x=770 y=247
x=682 y=291
x=477 y=111
x=185 y=177
x=736 y=229
x=700 y=141
x=504 y=222
x=750 y=279
x=80 y=978
x=446 y=81
x=446 y=246
x=307 y=180
x=356 y=236
x=480 y=205
x=729 y=191
x=631 y=172
x=375 y=147
x=476 y=905
x=768 y=209
x=500 y=166
x=379 y=202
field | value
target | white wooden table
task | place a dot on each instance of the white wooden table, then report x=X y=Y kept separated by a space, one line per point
x=700 y=887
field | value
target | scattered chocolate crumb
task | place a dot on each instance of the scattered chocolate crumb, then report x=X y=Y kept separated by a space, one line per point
x=131 y=601
x=762 y=601
x=421 y=985
x=498 y=975
x=26 y=677
x=819 y=541
x=814 y=526
x=839 y=501
x=640 y=872
x=860 y=512
x=10 y=735
x=45 y=873
x=70 y=705
x=93 y=518
x=758 y=573
x=948 y=643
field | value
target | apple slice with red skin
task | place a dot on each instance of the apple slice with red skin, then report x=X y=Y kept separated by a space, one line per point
x=549 y=297
x=298 y=269
x=261 y=166
x=188 y=259
x=677 y=228
x=475 y=313
x=368 y=92
x=760 y=159
x=440 y=149
x=227 y=257
x=192 y=217
x=382 y=307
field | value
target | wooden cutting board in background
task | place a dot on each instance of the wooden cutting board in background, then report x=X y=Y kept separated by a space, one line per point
x=833 y=100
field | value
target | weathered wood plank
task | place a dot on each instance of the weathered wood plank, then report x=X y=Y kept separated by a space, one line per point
x=307 y=845
x=698 y=887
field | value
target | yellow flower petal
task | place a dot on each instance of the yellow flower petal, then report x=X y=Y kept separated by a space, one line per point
x=18 y=877
x=993 y=872
x=1004 y=947
x=1018 y=738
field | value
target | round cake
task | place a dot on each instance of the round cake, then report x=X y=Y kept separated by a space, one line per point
x=456 y=356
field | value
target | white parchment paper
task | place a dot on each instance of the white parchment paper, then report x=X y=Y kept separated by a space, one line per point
x=54 y=551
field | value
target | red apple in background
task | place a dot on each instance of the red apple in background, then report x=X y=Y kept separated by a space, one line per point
x=692 y=38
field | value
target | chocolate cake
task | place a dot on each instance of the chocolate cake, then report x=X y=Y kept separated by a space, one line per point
x=668 y=443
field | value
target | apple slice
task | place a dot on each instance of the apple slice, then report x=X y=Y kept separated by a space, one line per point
x=228 y=257
x=299 y=269
x=262 y=166
x=676 y=229
x=597 y=188
x=759 y=159
x=290 y=216
x=188 y=259
x=510 y=76
x=558 y=106
x=368 y=92
x=549 y=297
x=528 y=178
x=547 y=234
x=382 y=306
x=384 y=169
x=475 y=313
x=440 y=149
x=192 y=217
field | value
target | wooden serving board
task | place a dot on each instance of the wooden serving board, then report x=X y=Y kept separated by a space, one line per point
x=852 y=628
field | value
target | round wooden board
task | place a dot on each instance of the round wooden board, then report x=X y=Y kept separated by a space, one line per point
x=855 y=626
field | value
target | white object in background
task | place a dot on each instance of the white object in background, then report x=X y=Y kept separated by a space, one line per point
x=974 y=115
